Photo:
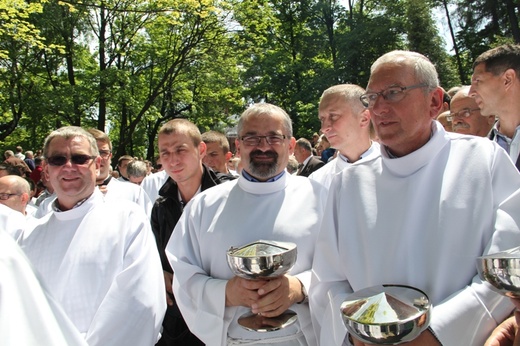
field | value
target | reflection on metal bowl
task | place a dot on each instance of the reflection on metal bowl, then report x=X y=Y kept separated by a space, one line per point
x=262 y=259
x=502 y=271
x=386 y=314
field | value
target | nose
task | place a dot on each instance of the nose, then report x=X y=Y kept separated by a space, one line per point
x=472 y=92
x=325 y=126
x=378 y=106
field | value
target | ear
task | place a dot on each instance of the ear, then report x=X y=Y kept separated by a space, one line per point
x=25 y=198
x=364 y=118
x=509 y=77
x=491 y=119
x=229 y=155
x=436 y=102
x=292 y=144
x=202 y=149
x=237 y=145
x=97 y=160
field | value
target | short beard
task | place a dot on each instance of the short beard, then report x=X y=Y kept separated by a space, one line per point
x=263 y=170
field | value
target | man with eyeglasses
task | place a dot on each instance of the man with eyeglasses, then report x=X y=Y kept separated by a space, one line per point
x=14 y=196
x=495 y=86
x=465 y=115
x=97 y=257
x=266 y=203
x=413 y=215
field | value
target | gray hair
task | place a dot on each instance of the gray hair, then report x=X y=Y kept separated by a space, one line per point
x=136 y=168
x=425 y=71
x=265 y=109
x=68 y=132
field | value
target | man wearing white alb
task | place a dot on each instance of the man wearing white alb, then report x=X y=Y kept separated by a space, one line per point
x=264 y=203
x=419 y=215
x=98 y=258
x=346 y=123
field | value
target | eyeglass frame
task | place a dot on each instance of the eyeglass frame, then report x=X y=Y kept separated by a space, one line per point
x=73 y=159
x=267 y=138
x=105 y=153
x=468 y=112
x=383 y=94
x=9 y=195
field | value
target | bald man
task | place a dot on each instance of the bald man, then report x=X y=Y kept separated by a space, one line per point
x=15 y=192
x=466 y=117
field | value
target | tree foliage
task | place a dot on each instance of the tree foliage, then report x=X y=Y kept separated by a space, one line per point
x=127 y=66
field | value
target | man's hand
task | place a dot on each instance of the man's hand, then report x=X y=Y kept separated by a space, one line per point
x=243 y=292
x=506 y=333
x=277 y=295
x=168 y=280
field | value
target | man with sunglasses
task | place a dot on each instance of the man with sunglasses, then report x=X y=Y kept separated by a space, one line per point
x=266 y=203
x=419 y=215
x=495 y=86
x=465 y=115
x=97 y=257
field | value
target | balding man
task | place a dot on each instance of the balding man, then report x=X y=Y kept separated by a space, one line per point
x=465 y=115
x=15 y=192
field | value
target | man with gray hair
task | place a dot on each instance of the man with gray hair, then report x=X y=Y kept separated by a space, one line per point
x=465 y=116
x=136 y=171
x=410 y=216
x=265 y=202
x=96 y=256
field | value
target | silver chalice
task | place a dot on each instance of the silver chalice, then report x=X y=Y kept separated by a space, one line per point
x=502 y=271
x=386 y=314
x=261 y=260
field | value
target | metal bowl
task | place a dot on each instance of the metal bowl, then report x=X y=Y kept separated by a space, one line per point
x=502 y=271
x=262 y=259
x=387 y=314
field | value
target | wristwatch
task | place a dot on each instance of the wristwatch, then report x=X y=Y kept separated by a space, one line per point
x=304 y=294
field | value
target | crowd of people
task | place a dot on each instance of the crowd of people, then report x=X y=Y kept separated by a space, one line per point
x=405 y=183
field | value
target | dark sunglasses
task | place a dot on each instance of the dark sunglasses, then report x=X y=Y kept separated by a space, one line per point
x=77 y=159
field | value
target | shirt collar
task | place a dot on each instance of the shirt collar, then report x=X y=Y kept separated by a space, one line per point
x=250 y=178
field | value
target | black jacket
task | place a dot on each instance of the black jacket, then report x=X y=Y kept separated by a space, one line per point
x=167 y=211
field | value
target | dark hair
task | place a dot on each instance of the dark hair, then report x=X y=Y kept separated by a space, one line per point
x=501 y=58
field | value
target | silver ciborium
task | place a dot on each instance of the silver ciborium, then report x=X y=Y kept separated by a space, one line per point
x=502 y=271
x=386 y=314
x=261 y=260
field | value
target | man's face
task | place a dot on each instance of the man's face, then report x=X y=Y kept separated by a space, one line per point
x=264 y=161
x=300 y=154
x=487 y=89
x=215 y=157
x=180 y=158
x=338 y=122
x=72 y=182
x=405 y=125
x=16 y=202
x=106 y=159
x=122 y=167
x=475 y=124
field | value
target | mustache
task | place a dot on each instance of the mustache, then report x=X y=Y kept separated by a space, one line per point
x=268 y=153
x=460 y=126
